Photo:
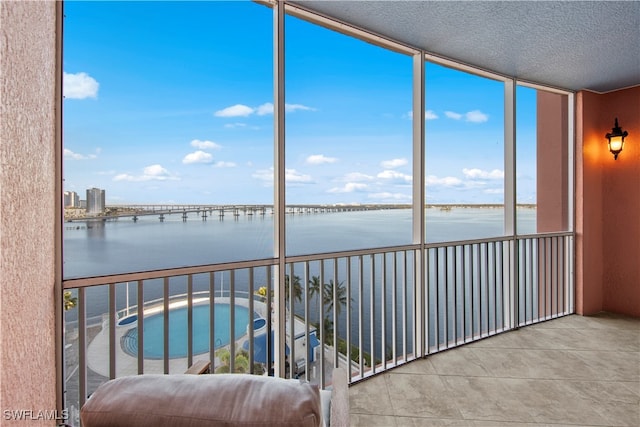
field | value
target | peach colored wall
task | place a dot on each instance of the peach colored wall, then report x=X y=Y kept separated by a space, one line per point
x=608 y=205
x=27 y=208
x=552 y=162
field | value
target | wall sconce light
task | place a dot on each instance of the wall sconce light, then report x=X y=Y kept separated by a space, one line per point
x=616 y=140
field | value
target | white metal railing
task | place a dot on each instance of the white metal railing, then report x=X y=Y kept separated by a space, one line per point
x=373 y=309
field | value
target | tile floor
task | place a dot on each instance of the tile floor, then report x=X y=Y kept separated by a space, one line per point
x=571 y=371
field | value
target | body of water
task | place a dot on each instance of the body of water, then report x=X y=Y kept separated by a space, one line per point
x=96 y=248
x=101 y=248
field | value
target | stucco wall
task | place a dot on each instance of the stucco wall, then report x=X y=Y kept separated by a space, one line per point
x=608 y=203
x=27 y=208
x=552 y=160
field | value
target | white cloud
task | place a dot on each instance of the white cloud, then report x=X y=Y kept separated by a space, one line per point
x=476 y=116
x=395 y=176
x=265 y=175
x=205 y=145
x=241 y=110
x=481 y=174
x=319 y=159
x=349 y=187
x=235 y=125
x=394 y=163
x=238 y=110
x=197 y=157
x=356 y=177
x=428 y=115
x=447 y=181
x=290 y=108
x=79 y=86
x=68 y=154
x=221 y=164
x=453 y=115
x=494 y=191
x=291 y=176
x=264 y=109
x=149 y=173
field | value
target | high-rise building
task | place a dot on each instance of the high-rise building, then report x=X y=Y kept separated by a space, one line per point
x=95 y=201
x=71 y=199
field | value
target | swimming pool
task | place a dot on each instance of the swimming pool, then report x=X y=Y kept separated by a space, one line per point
x=154 y=331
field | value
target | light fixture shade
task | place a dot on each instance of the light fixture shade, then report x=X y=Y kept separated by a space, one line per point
x=616 y=139
x=616 y=144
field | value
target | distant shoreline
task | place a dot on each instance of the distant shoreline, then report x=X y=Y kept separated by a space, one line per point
x=79 y=214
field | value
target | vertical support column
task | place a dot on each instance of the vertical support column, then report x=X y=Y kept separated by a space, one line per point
x=571 y=140
x=510 y=194
x=420 y=304
x=58 y=289
x=279 y=184
x=509 y=157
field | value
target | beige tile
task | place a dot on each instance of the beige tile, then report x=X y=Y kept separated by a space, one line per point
x=421 y=396
x=366 y=420
x=420 y=367
x=490 y=399
x=602 y=392
x=613 y=401
x=513 y=424
x=370 y=397
x=549 y=402
x=567 y=322
x=510 y=339
x=609 y=339
x=613 y=321
x=555 y=339
x=620 y=414
x=539 y=364
x=431 y=422
x=611 y=365
x=461 y=361
x=568 y=371
x=632 y=386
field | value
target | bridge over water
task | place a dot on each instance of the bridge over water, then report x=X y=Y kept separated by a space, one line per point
x=115 y=212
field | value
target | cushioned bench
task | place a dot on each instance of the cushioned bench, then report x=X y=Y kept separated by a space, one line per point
x=215 y=400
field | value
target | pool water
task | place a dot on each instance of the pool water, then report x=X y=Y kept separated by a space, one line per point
x=154 y=331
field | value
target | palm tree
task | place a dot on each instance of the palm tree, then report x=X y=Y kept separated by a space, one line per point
x=314 y=286
x=327 y=293
x=341 y=296
x=297 y=289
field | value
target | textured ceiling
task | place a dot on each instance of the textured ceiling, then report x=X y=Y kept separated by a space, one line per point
x=567 y=44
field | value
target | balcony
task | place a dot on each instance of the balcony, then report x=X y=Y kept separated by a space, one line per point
x=568 y=371
x=375 y=310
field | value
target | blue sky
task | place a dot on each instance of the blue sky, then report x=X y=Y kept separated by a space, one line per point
x=171 y=102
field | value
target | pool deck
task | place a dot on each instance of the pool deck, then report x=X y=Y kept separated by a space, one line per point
x=125 y=364
x=98 y=350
